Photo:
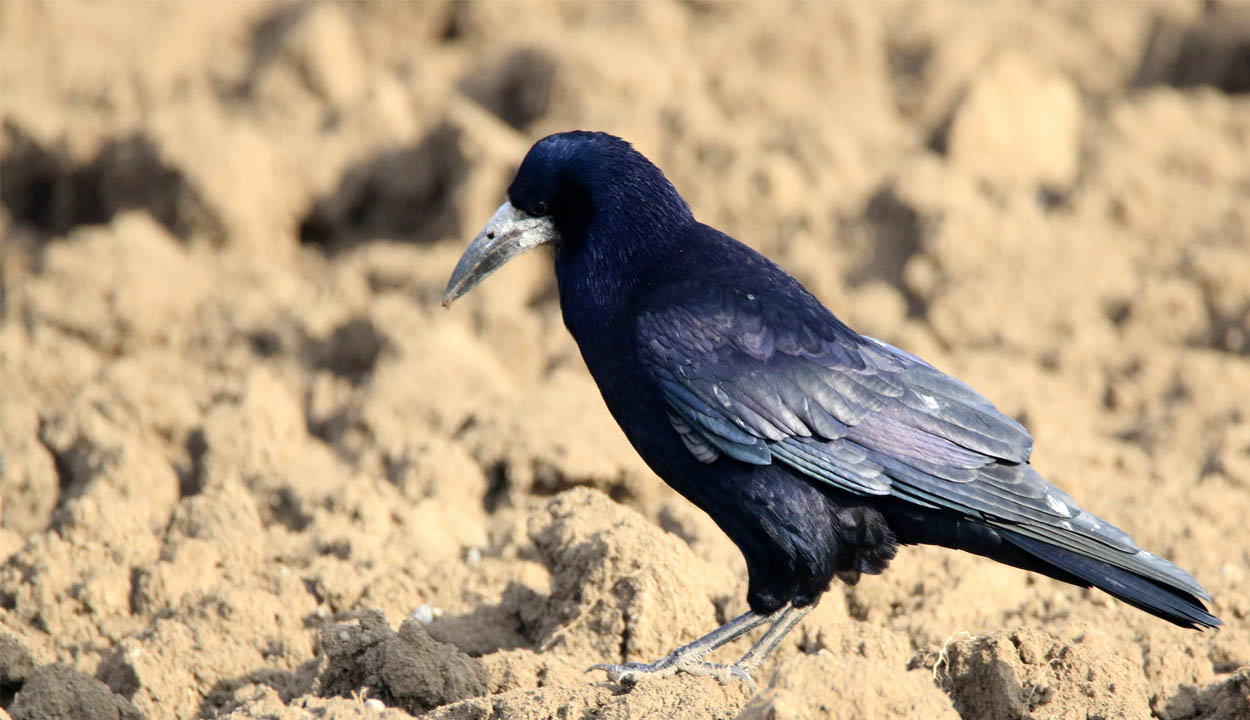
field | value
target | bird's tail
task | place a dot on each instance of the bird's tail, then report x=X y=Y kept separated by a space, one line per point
x=1143 y=580
x=1176 y=603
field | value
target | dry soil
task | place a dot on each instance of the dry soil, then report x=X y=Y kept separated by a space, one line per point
x=251 y=468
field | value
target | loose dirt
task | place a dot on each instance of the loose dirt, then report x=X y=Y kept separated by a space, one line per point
x=250 y=467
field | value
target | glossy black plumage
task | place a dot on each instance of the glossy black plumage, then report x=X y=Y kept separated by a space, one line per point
x=817 y=450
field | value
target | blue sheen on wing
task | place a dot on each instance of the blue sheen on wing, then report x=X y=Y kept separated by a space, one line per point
x=750 y=381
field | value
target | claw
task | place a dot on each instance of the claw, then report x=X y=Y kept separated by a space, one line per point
x=743 y=675
x=613 y=671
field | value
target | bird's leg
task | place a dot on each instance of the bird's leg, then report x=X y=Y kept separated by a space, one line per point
x=688 y=658
x=789 y=617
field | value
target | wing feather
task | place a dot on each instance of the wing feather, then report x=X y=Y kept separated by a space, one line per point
x=744 y=379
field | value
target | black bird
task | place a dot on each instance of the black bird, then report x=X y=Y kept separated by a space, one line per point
x=817 y=450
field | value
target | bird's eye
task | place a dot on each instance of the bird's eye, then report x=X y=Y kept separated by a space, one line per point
x=540 y=208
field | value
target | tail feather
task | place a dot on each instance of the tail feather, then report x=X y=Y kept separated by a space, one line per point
x=1145 y=581
x=1174 y=604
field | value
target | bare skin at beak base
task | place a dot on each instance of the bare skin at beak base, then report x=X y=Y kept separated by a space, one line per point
x=509 y=233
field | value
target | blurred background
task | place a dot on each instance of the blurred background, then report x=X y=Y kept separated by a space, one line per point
x=233 y=414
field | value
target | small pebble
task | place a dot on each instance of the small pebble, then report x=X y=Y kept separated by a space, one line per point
x=375 y=704
x=424 y=614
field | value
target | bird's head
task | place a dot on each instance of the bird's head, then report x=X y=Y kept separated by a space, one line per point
x=567 y=184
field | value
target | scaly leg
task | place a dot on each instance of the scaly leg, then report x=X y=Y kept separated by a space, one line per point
x=689 y=658
x=786 y=620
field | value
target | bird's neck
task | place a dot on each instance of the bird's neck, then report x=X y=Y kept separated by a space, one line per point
x=601 y=278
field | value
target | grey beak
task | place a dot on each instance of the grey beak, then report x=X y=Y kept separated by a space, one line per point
x=509 y=233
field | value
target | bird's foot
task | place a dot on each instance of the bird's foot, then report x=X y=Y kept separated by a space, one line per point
x=727 y=674
x=630 y=673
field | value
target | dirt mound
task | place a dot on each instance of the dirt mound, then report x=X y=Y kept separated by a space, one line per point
x=59 y=692
x=407 y=669
x=1026 y=674
x=249 y=467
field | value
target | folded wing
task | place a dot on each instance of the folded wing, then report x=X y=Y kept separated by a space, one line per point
x=771 y=376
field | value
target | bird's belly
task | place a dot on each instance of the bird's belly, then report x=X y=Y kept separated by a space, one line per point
x=784 y=525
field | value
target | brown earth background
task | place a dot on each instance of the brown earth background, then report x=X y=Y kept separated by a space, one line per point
x=251 y=468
